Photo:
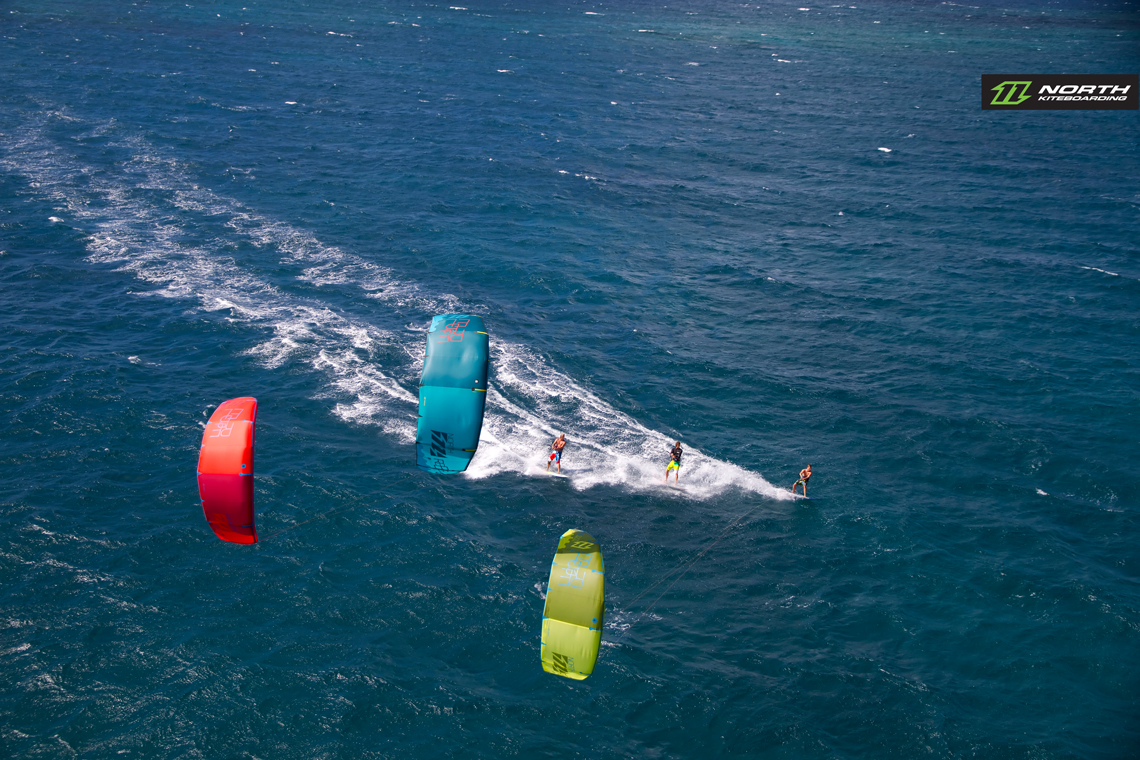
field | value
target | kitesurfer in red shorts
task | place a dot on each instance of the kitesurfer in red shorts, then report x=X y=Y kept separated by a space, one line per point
x=556 y=452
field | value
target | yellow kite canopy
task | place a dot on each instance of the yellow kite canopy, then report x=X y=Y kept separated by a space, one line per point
x=575 y=597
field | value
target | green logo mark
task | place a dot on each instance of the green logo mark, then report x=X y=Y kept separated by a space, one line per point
x=1007 y=91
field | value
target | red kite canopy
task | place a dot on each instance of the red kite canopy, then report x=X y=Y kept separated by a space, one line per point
x=225 y=471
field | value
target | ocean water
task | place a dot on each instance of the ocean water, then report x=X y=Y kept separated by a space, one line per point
x=779 y=234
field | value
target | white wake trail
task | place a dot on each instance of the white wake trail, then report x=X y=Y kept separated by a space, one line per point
x=130 y=218
x=606 y=446
x=133 y=215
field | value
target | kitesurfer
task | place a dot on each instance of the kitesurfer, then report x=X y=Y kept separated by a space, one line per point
x=556 y=452
x=675 y=462
x=805 y=476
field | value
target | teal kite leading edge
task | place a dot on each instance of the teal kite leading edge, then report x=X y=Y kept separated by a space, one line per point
x=453 y=392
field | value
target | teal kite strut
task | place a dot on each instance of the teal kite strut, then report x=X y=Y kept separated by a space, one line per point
x=453 y=392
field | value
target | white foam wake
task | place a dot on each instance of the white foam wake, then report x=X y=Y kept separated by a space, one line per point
x=132 y=221
x=605 y=446
x=136 y=215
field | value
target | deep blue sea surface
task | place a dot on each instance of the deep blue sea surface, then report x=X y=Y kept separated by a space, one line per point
x=780 y=234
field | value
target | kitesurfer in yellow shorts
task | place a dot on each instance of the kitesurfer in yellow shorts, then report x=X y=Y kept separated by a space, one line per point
x=805 y=476
x=675 y=462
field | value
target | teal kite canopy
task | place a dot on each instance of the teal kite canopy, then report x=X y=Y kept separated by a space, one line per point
x=453 y=392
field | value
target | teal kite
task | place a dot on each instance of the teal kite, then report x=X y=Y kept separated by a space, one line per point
x=453 y=392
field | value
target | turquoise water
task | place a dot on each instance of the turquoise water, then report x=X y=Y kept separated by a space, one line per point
x=780 y=236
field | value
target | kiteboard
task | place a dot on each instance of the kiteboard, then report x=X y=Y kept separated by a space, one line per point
x=541 y=471
x=574 y=613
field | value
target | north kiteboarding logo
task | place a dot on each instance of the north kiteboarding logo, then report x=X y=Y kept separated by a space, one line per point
x=1060 y=92
x=1011 y=93
x=439 y=441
